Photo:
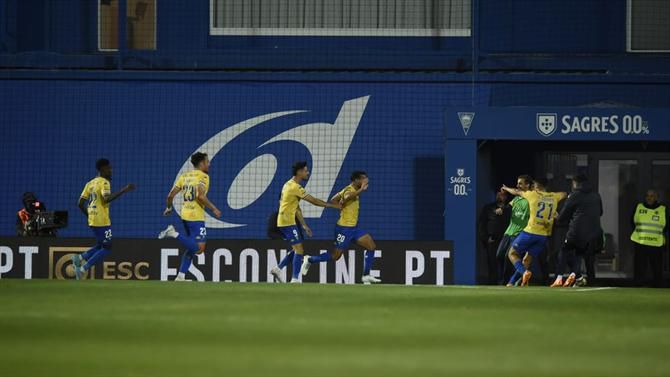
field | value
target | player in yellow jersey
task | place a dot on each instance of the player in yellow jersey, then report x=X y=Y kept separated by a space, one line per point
x=194 y=185
x=347 y=230
x=289 y=209
x=98 y=194
x=533 y=239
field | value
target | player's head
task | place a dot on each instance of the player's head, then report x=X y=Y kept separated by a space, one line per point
x=579 y=180
x=358 y=177
x=650 y=197
x=104 y=168
x=524 y=182
x=300 y=170
x=540 y=184
x=501 y=196
x=200 y=161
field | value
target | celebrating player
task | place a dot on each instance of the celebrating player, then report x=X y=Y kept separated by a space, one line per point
x=533 y=239
x=289 y=208
x=194 y=185
x=347 y=231
x=98 y=194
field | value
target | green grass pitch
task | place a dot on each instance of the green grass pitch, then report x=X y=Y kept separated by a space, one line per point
x=141 y=328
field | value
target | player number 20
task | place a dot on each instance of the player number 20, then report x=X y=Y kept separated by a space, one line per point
x=340 y=238
x=459 y=190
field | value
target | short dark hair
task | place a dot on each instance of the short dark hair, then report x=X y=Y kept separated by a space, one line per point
x=541 y=181
x=358 y=174
x=580 y=178
x=197 y=158
x=101 y=163
x=298 y=166
x=526 y=178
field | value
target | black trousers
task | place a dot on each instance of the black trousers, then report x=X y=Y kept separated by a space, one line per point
x=652 y=257
x=505 y=268
x=572 y=254
x=491 y=261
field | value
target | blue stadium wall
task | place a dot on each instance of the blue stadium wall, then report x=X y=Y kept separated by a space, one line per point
x=152 y=109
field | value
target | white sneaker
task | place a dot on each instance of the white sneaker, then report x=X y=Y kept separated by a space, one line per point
x=295 y=281
x=180 y=277
x=370 y=279
x=305 y=265
x=276 y=275
x=170 y=231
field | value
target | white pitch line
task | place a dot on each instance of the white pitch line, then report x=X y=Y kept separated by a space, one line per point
x=591 y=289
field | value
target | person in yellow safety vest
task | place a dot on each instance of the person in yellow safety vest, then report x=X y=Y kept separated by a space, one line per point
x=649 y=238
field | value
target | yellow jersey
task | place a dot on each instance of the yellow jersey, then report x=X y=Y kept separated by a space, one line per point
x=542 y=206
x=349 y=213
x=291 y=194
x=192 y=209
x=98 y=209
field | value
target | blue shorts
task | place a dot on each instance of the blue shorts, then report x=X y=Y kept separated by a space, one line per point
x=291 y=234
x=344 y=235
x=103 y=236
x=533 y=244
x=196 y=230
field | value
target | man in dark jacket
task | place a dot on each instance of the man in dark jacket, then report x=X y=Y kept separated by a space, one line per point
x=493 y=221
x=582 y=211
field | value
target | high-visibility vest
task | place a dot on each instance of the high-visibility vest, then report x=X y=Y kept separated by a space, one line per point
x=649 y=225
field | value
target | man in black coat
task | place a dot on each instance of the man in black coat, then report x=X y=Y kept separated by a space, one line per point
x=582 y=212
x=493 y=220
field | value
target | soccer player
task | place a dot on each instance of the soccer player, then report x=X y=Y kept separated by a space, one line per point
x=347 y=230
x=98 y=194
x=289 y=208
x=533 y=238
x=518 y=222
x=194 y=185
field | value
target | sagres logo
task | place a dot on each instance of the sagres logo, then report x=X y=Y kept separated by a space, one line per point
x=546 y=124
x=327 y=143
x=60 y=263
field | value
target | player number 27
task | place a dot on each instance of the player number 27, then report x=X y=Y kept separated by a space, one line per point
x=541 y=206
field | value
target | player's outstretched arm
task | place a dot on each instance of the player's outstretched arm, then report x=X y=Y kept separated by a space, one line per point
x=302 y=221
x=170 y=198
x=113 y=196
x=513 y=191
x=320 y=203
x=201 y=197
x=82 y=206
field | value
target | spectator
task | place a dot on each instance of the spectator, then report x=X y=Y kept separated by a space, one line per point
x=649 y=238
x=582 y=212
x=493 y=221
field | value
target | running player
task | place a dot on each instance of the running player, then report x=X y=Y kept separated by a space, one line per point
x=347 y=230
x=533 y=239
x=289 y=208
x=194 y=185
x=98 y=194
